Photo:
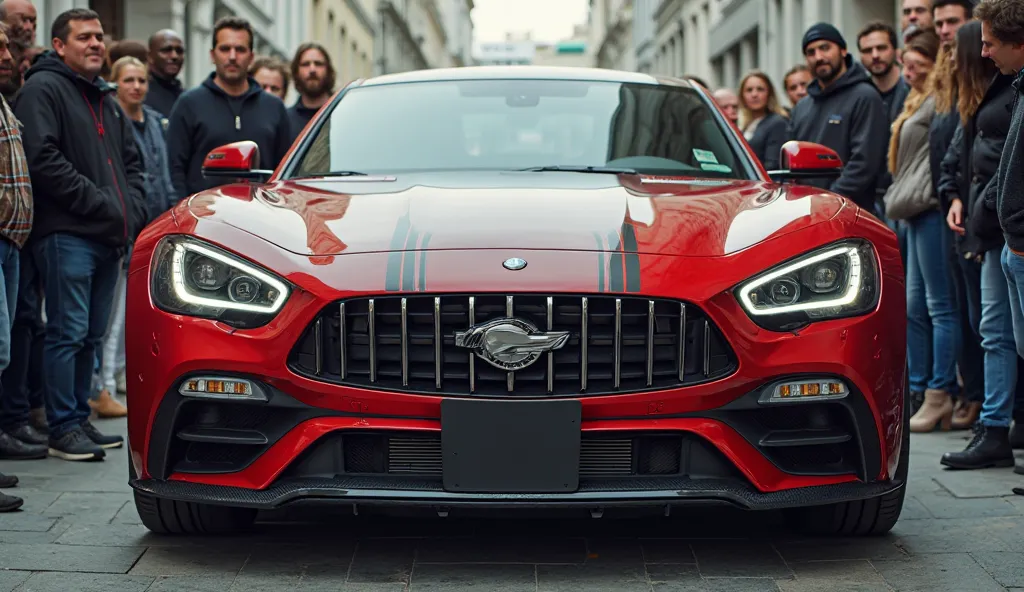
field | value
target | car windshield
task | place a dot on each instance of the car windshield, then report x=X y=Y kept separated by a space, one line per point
x=522 y=124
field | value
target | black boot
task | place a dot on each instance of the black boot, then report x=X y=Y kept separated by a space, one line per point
x=1017 y=434
x=916 y=400
x=989 y=448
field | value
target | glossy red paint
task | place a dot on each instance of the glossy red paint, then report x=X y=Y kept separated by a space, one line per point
x=807 y=156
x=696 y=239
x=239 y=156
x=760 y=471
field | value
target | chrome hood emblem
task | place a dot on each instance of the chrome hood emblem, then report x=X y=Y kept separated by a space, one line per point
x=514 y=263
x=509 y=343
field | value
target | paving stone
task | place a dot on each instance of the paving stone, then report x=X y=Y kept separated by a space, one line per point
x=85 y=582
x=590 y=577
x=25 y=522
x=667 y=551
x=127 y=515
x=840 y=549
x=1006 y=567
x=913 y=509
x=945 y=505
x=759 y=560
x=834 y=576
x=614 y=551
x=9 y=580
x=87 y=508
x=35 y=538
x=382 y=561
x=191 y=583
x=947 y=571
x=116 y=560
x=189 y=561
x=113 y=535
x=36 y=501
x=979 y=483
x=514 y=550
x=686 y=578
x=474 y=577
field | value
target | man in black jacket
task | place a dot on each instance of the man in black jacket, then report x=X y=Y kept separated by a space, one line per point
x=229 y=106
x=87 y=179
x=843 y=111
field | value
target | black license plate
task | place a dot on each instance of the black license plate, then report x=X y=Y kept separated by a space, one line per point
x=510 y=446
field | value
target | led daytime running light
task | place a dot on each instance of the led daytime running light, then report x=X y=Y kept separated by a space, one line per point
x=181 y=291
x=852 y=288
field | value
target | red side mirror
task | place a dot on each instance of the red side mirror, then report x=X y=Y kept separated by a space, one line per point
x=807 y=159
x=238 y=160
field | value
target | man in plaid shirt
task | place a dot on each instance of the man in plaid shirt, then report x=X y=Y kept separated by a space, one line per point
x=15 y=226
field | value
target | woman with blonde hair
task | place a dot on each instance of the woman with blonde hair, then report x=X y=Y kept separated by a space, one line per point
x=933 y=323
x=762 y=120
x=131 y=77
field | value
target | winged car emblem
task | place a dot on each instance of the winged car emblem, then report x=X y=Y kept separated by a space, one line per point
x=510 y=343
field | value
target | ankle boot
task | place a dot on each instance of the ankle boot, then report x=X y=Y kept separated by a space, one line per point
x=966 y=414
x=937 y=411
x=107 y=406
x=989 y=448
x=1017 y=434
x=916 y=400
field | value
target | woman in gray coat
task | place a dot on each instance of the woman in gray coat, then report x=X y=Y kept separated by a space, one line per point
x=762 y=118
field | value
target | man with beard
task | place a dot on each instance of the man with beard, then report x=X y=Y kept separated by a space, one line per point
x=20 y=15
x=314 y=77
x=844 y=112
x=229 y=106
x=166 y=56
x=915 y=12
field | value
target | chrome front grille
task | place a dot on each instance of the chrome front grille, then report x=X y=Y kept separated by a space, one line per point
x=616 y=345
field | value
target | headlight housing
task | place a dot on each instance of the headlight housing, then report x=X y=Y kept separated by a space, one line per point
x=836 y=281
x=195 y=278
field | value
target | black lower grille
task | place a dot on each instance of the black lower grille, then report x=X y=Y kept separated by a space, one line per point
x=612 y=345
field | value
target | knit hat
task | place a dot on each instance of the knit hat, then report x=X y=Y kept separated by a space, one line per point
x=823 y=32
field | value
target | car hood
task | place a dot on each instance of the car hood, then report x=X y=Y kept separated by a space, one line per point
x=553 y=211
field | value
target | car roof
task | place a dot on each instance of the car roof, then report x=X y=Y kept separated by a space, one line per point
x=523 y=73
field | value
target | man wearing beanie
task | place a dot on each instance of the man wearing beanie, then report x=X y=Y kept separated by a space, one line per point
x=843 y=111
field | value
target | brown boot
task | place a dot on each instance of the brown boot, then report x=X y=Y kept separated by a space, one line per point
x=107 y=406
x=966 y=414
x=937 y=410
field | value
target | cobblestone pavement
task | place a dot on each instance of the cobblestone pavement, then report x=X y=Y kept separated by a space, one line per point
x=960 y=531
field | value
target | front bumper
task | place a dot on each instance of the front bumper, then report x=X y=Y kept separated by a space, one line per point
x=362 y=491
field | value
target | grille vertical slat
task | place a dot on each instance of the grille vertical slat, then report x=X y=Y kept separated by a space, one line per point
x=342 y=343
x=371 y=318
x=617 y=344
x=551 y=355
x=510 y=378
x=405 y=342
x=318 y=330
x=438 y=344
x=584 y=342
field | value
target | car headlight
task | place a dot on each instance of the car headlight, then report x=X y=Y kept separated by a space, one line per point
x=194 y=278
x=837 y=281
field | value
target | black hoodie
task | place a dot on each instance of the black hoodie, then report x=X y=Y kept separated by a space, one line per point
x=1006 y=195
x=82 y=157
x=850 y=118
x=206 y=117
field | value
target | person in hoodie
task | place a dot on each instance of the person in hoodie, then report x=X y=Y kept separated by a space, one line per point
x=986 y=96
x=843 y=111
x=89 y=205
x=229 y=106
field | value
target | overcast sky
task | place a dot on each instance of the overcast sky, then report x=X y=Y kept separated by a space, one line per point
x=547 y=20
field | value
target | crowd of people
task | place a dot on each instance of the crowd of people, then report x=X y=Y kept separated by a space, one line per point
x=97 y=139
x=927 y=129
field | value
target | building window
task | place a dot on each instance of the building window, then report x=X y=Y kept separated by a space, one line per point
x=111 y=16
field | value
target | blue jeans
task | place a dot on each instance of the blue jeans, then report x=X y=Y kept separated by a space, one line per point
x=9 y=257
x=933 y=318
x=24 y=380
x=996 y=329
x=79 y=278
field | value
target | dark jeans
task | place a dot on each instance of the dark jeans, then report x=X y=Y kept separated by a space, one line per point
x=967 y=281
x=8 y=298
x=79 y=278
x=24 y=380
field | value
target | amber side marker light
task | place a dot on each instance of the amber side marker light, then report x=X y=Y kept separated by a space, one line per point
x=813 y=389
x=226 y=389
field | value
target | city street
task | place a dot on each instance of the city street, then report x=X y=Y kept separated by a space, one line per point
x=79 y=531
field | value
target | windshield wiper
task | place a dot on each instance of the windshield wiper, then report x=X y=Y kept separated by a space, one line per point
x=583 y=169
x=342 y=174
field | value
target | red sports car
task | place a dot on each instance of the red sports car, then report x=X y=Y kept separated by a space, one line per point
x=518 y=288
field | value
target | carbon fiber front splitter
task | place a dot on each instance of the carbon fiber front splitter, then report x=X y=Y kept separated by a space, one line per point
x=655 y=492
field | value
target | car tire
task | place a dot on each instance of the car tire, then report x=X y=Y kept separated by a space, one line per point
x=163 y=516
x=870 y=517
